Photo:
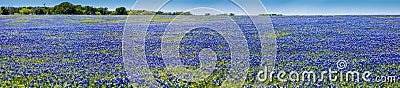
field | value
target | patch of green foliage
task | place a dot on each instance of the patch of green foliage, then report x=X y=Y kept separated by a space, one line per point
x=71 y=9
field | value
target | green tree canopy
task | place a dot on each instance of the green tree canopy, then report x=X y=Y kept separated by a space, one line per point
x=97 y=13
x=89 y=10
x=79 y=10
x=64 y=8
x=25 y=11
x=231 y=14
x=40 y=11
x=121 y=11
x=103 y=11
x=4 y=10
x=71 y=9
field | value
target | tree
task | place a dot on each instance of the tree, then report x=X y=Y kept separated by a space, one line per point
x=167 y=13
x=89 y=10
x=231 y=14
x=97 y=13
x=121 y=11
x=25 y=11
x=177 y=13
x=40 y=11
x=186 y=13
x=4 y=10
x=148 y=13
x=103 y=11
x=159 y=13
x=64 y=8
x=12 y=10
x=69 y=8
x=207 y=14
x=51 y=11
x=113 y=13
x=79 y=10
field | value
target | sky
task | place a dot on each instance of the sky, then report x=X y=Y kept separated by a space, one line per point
x=286 y=7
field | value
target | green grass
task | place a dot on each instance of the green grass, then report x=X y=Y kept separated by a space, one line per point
x=278 y=35
x=162 y=19
x=32 y=60
x=387 y=16
x=20 y=21
x=97 y=21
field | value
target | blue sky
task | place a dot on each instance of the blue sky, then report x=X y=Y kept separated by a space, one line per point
x=288 y=7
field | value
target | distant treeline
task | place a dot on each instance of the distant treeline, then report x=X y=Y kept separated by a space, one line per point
x=270 y=14
x=67 y=8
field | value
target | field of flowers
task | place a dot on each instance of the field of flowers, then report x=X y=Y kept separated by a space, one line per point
x=367 y=43
x=86 y=51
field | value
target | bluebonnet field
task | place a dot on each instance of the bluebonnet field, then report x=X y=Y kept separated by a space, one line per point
x=367 y=43
x=82 y=51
